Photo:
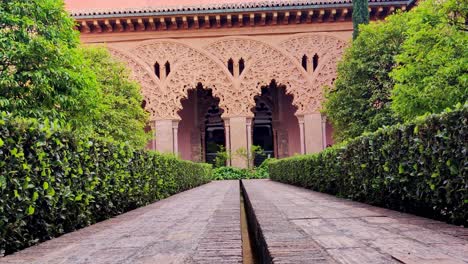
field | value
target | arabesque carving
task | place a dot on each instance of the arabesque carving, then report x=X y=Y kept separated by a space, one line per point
x=150 y=86
x=263 y=63
x=329 y=50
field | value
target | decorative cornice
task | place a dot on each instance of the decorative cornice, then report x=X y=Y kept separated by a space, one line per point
x=227 y=15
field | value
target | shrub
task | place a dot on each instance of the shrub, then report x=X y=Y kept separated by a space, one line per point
x=232 y=173
x=412 y=63
x=120 y=116
x=52 y=182
x=419 y=168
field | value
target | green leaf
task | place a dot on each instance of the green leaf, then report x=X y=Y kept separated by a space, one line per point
x=1 y=143
x=45 y=185
x=2 y=182
x=35 y=196
x=51 y=192
x=401 y=169
x=30 y=210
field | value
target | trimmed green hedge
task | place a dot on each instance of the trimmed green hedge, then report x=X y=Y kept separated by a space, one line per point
x=233 y=173
x=52 y=183
x=419 y=168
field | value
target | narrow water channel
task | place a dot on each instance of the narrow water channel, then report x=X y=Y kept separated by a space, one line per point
x=248 y=252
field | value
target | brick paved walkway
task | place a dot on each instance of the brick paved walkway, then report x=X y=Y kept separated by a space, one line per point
x=201 y=225
x=296 y=225
x=301 y=226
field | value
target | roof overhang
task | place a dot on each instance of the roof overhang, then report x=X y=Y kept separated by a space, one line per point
x=227 y=15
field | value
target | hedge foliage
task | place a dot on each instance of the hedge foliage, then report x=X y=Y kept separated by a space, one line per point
x=52 y=183
x=419 y=168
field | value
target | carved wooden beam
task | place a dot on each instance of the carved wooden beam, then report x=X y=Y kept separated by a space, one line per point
x=379 y=12
x=309 y=16
x=107 y=26
x=320 y=15
x=286 y=18
x=331 y=17
x=218 y=21
x=97 y=27
x=298 y=17
x=130 y=26
x=196 y=24
x=263 y=19
x=151 y=24
x=163 y=24
x=84 y=27
x=229 y=20
x=207 y=22
x=118 y=26
x=173 y=23
x=343 y=15
x=274 y=20
x=241 y=20
x=140 y=25
x=184 y=22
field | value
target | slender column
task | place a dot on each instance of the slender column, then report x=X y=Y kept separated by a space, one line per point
x=227 y=134
x=249 y=134
x=313 y=132
x=301 y=133
x=249 y=138
x=175 y=136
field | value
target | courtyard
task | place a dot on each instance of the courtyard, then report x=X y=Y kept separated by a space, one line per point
x=292 y=225
x=233 y=131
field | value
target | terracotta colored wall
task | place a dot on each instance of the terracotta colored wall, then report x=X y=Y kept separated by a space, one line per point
x=290 y=123
x=186 y=127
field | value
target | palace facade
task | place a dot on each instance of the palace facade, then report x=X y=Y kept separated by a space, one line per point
x=230 y=73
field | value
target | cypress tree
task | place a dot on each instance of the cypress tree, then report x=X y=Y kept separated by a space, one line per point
x=360 y=15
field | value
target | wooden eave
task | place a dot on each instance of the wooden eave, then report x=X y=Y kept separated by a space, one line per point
x=95 y=23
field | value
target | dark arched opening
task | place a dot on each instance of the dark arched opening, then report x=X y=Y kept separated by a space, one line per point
x=157 y=70
x=275 y=127
x=304 y=62
x=231 y=66
x=201 y=128
x=241 y=66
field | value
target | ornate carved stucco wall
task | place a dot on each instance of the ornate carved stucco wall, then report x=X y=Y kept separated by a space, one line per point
x=206 y=61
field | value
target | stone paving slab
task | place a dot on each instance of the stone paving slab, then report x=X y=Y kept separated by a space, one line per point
x=302 y=226
x=201 y=225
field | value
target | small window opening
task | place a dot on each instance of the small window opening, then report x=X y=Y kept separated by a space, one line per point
x=231 y=66
x=241 y=66
x=168 y=68
x=304 y=62
x=157 y=70
x=315 y=61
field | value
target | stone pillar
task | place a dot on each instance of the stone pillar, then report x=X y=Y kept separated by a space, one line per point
x=324 y=132
x=227 y=134
x=313 y=133
x=301 y=133
x=238 y=139
x=175 y=133
x=166 y=135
